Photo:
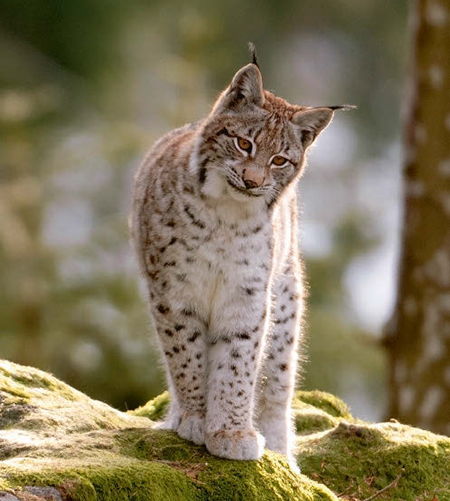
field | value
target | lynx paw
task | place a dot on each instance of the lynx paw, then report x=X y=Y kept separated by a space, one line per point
x=277 y=443
x=277 y=433
x=165 y=425
x=171 y=420
x=235 y=444
x=192 y=427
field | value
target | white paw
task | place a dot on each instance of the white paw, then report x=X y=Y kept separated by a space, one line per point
x=192 y=427
x=171 y=421
x=235 y=444
x=278 y=435
x=277 y=443
x=165 y=425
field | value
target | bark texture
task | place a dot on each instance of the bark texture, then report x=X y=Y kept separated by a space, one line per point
x=419 y=334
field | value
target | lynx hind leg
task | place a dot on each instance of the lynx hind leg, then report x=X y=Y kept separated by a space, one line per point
x=181 y=335
x=280 y=367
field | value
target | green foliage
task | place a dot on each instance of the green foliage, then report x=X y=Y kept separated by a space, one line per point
x=81 y=33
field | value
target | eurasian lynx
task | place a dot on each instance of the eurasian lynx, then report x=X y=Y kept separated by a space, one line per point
x=214 y=225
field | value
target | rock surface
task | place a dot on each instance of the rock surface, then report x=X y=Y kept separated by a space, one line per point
x=57 y=444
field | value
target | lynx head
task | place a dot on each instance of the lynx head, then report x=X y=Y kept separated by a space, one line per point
x=252 y=146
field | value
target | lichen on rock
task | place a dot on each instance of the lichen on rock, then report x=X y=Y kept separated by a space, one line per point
x=55 y=438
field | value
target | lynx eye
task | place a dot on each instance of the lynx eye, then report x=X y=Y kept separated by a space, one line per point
x=244 y=144
x=279 y=161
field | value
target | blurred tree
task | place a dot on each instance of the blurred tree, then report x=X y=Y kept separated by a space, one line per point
x=418 y=337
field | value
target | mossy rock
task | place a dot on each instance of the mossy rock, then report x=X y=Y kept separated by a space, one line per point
x=55 y=437
x=58 y=444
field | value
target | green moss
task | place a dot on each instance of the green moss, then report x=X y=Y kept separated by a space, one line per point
x=324 y=401
x=24 y=381
x=120 y=482
x=307 y=421
x=37 y=402
x=166 y=468
x=53 y=435
x=265 y=480
x=362 y=459
x=153 y=409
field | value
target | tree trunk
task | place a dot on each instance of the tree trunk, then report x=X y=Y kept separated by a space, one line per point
x=418 y=337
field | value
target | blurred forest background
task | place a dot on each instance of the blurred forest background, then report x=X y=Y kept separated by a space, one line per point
x=86 y=87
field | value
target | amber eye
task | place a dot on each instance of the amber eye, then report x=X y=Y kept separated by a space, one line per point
x=244 y=144
x=278 y=160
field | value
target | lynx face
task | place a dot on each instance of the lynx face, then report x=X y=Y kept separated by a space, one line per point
x=253 y=156
x=253 y=144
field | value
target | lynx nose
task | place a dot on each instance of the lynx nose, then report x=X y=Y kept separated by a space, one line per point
x=253 y=178
x=249 y=183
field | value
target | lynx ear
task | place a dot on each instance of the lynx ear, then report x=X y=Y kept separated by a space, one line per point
x=245 y=91
x=312 y=122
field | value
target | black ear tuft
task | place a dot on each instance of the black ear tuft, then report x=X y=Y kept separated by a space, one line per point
x=252 y=50
x=342 y=107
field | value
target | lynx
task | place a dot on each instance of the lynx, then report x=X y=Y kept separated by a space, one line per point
x=214 y=225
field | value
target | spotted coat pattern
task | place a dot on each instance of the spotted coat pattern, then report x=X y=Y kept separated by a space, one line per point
x=214 y=225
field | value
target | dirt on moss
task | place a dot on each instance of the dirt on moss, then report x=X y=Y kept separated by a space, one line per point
x=54 y=437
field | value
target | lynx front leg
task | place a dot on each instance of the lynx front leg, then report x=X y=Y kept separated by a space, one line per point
x=233 y=361
x=278 y=383
x=182 y=337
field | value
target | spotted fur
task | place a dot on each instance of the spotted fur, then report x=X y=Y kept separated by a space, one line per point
x=215 y=231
